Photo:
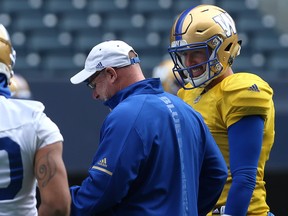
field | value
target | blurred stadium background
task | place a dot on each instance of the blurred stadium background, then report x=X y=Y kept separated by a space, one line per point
x=53 y=37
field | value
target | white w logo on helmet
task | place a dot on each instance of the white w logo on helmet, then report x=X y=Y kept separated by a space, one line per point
x=226 y=22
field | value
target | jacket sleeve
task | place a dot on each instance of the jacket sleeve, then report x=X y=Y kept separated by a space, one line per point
x=213 y=175
x=110 y=174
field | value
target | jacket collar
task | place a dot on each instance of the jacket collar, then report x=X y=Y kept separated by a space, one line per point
x=147 y=86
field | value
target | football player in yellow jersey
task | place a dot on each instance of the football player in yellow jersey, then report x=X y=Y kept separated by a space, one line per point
x=237 y=107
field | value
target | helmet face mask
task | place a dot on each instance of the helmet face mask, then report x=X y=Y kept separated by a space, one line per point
x=211 y=29
x=210 y=65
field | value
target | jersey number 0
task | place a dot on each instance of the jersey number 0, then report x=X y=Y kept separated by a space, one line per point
x=15 y=166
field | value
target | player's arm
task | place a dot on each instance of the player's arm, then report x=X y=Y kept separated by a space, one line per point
x=52 y=180
x=245 y=142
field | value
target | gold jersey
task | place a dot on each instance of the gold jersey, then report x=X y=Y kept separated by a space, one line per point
x=238 y=95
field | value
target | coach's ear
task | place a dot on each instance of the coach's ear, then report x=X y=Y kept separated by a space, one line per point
x=111 y=74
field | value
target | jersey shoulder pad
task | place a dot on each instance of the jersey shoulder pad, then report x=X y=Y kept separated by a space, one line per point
x=244 y=89
x=34 y=106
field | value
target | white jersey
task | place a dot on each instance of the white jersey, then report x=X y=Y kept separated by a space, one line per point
x=24 y=128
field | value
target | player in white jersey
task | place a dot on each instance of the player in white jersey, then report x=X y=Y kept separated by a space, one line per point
x=30 y=151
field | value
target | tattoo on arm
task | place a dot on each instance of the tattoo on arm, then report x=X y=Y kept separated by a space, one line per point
x=45 y=169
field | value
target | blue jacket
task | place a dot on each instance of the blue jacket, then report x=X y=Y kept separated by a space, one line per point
x=156 y=157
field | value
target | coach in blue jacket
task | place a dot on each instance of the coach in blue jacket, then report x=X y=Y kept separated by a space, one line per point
x=156 y=156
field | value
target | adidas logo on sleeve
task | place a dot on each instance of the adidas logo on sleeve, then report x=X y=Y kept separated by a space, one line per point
x=102 y=166
x=103 y=162
x=254 y=88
